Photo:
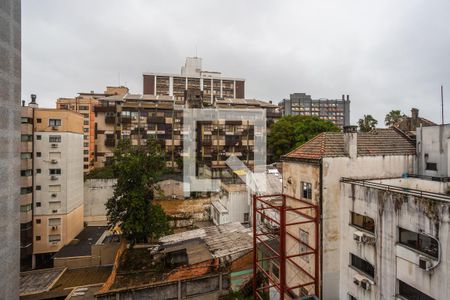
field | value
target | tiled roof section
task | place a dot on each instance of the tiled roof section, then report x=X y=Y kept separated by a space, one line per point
x=376 y=142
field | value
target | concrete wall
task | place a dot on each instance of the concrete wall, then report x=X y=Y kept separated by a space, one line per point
x=392 y=260
x=10 y=74
x=170 y=189
x=96 y=194
x=433 y=145
x=334 y=168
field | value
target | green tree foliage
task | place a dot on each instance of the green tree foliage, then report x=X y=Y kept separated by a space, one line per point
x=137 y=169
x=393 y=117
x=367 y=123
x=290 y=132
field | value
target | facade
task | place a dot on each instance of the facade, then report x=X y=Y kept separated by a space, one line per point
x=409 y=124
x=231 y=205
x=192 y=77
x=10 y=74
x=313 y=172
x=334 y=110
x=84 y=103
x=138 y=117
x=395 y=239
x=433 y=150
x=57 y=181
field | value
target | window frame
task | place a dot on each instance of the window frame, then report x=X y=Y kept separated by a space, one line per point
x=54 y=122
x=419 y=239
x=352 y=222
x=308 y=194
x=360 y=268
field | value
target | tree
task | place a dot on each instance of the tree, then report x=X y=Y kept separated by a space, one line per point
x=290 y=132
x=137 y=169
x=367 y=123
x=393 y=117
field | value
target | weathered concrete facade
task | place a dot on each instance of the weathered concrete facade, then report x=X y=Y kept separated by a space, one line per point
x=231 y=205
x=433 y=150
x=416 y=205
x=96 y=194
x=10 y=74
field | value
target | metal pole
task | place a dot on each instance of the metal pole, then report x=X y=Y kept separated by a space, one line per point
x=316 y=253
x=442 y=104
x=283 y=248
x=255 y=255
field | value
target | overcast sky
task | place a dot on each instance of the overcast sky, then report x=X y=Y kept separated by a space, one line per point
x=385 y=54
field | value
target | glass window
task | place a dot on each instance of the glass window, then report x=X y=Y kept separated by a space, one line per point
x=306 y=190
x=26 y=190
x=419 y=242
x=275 y=270
x=304 y=238
x=54 y=221
x=38 y=188
x=26 y=138
x=410 y=293
x=38 y=221
x=38 y=171
x=54 y=237
x=362 y=265
x=54 y=171
x=25 y=208
x=38 y=154
x=25 y=155
x=38 y=238
x=26 y=173
x=54 y=122
x=38 y=137
x=38 y=120
x=363 y=222
x=54 y=139
x=83 y=107
x=246 y=217
x=431 y=166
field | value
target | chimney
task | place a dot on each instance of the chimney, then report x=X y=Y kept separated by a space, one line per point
x=343 y=97
x=414 y=118
x=23 y=102
x=348 y=98
x=33 y=103
x=351 y=141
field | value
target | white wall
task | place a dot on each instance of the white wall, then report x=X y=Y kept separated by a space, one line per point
x=435 y=142
x=96 y=194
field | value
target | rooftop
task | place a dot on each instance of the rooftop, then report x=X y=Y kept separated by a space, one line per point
x=81 y=244
x=376 y=142
x=59 y=282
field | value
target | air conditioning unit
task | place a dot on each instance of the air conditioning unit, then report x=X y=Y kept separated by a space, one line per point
x=53 y=177
x=54 y=127
x=54 y=227
x=54 y=146
x=54 y=211
x=425 y=263
x=54 y=161
x=53 y=195
x=358 y=236
x=55 y=242
x=357 y=280
x=366 y=284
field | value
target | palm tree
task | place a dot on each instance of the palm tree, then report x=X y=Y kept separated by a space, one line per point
x=367 y=123
x=393 y=117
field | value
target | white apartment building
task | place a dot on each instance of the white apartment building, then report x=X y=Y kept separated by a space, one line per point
x=58 y=181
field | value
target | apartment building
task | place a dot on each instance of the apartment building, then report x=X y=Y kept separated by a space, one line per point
x=139 y=116
x=313 y=171
x=84 y=103
x=395 y=238
x=334 y=110
x=52 y=180
x=433 y=150
x=192 y=77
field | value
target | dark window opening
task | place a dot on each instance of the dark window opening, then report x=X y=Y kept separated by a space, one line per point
x=306 y=190
x=363 y=222
x=431 y=166
x=362 y=265
x=54 y=171
x=411 y=293
x=418 y=241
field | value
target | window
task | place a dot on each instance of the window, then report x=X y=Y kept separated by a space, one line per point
x=85 y=129
x=25 y=208
x=86 y=122
x=85 y=167
x=25 y=155
x=362 y=222
x=38 y=120
x=411 y=293
x=26 y=138
x=83 y=107
x=38 y=238
x=38 y=188
x=54 y=139
x=362 y=265
x=26 y=173
x=38 y=221
x=54 y=122
x=86 y=152
x=431 y=166
x=85 y=144
x=25 y=120
x=350 y=297
x=38 y=154
x=38 y=171
x=420 y=242
x=54 y=221
x=246 y=215
x=86 y=137
x=54 y=188
x=54 y=237
x=38 y=137
x=306 y=190
x=86 y=159
x=275 y=270
x=26 y=190
x=54 y=171
x=38 y=204
x=304 y=238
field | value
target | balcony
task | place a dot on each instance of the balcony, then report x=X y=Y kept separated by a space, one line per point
x=26 y=146
x=26 y=164
x=26 y=217
x=104 y=108
x=110 y=119
x=110 y=143
x=26 y=128
x=26 y=199
x=125 y=120
x=26 y=180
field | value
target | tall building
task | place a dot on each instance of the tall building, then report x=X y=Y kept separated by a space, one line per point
x=10 y=75
x=334 y=110
x=51 y=183
x=192 y=77
x=84 y=103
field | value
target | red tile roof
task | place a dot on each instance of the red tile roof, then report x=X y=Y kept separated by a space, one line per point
x=376 y=142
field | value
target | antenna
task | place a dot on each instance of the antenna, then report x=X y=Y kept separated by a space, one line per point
x=196 y=51
x=118 y=75
x=442 y=104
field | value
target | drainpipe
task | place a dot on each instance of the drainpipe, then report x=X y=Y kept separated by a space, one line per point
x=321 y=228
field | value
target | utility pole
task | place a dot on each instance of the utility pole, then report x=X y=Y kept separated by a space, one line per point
x=442 y=104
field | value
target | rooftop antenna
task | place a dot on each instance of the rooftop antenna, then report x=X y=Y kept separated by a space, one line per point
x=196 y=51
x=118 y=75
x=442 y=104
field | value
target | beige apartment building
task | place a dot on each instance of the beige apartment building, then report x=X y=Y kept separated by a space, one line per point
x=57 y=179
x=84 y=103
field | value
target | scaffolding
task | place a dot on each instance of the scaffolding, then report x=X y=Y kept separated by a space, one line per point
x=286 y=247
